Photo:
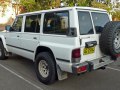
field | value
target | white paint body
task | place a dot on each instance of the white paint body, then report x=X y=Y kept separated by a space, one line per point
x=60 y=45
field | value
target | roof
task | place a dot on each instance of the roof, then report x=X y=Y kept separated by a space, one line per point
x=65 y=8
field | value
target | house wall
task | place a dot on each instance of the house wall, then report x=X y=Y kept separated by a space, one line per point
x=7 y=15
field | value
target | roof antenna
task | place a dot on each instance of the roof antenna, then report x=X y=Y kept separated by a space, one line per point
x=76 y=5
x=62 y=4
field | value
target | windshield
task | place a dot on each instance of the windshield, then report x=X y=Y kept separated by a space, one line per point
x=85 y=22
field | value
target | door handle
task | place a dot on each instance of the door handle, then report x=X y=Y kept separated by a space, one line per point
x=18 y=36
x=85 y=37
x=34 y=37
x=90 y=44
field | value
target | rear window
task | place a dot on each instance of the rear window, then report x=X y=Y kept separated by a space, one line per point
x=99 y=19
x=85 y=23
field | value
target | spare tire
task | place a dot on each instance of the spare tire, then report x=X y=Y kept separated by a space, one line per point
x=110 y=38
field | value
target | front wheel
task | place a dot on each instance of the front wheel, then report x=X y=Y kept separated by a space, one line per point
x=45 y=68
x=2 y=52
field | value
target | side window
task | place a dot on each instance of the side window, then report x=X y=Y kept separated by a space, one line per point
x=56 y=23
x=99 y=19
x=32 y=23
x=85 y=23
x=17 y=25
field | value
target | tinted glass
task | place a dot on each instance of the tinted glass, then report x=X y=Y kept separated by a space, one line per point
x=17 y=25
x=85 y=23
x=32 y=23
x=56 y=23
x=99 y=19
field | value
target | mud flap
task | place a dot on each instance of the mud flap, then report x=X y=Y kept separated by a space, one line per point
x=61 y=74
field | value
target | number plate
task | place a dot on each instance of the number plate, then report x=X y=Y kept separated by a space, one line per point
x=88 y=50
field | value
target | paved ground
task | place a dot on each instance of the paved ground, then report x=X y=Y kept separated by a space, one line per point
x=17 y=73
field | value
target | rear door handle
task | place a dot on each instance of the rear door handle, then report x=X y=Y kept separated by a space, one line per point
x=90 y=44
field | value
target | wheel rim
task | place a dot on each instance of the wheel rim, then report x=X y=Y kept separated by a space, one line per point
x=43 y=68
x=117 y=40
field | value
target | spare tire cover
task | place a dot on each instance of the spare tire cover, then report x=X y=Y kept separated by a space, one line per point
x=110 y=38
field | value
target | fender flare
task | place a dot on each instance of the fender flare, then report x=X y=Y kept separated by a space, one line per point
x=2 y=38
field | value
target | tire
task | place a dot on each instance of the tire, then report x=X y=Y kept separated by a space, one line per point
x=44 y=60
x=110 y=39
x=2 y=52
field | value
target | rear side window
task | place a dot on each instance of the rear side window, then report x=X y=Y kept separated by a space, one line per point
x=85 y=23
x=56 y=23
x=32 y=23
x=99 y=19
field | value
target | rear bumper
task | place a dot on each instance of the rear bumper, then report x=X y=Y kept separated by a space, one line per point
x=80 y=68
x=91 y=65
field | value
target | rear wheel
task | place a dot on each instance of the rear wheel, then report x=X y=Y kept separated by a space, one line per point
x=45 y=68
x=2 y=52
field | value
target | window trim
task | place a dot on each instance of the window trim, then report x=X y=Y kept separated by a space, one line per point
x=56 y=12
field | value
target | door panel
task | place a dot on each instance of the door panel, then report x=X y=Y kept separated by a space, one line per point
x=30 y=41
x=12 y=39
x=93 y=41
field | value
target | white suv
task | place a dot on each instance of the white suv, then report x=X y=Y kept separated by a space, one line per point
x=63 y=40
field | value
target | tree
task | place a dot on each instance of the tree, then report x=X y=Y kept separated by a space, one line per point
x=116 y=15
x=107 y=2
x=89 y=2
x=35 y=5
x=78 y=2
x=46 y=4
x=16 y=6
x=116 y=12
x=3 y=4
x=105 y=6
x=117 y=5
x=29 y=6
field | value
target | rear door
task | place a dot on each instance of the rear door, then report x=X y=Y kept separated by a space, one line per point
x=91 y=25
x=99 y=21
x=30 y=37
x=88 y=40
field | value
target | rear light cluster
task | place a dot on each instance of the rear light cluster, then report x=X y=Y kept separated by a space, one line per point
x=117 y=55
x=76 y=55
x=82 y=69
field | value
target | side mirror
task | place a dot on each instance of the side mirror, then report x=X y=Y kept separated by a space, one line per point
x=72 y=32
x=7 y=27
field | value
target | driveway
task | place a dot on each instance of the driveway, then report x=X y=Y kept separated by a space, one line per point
x=17 y=73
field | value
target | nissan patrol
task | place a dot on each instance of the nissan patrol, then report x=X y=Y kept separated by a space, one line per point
x=63 y=40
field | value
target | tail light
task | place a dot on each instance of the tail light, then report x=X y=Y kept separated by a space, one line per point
x=82 y=69
x=76 y=55
x=117 y=55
